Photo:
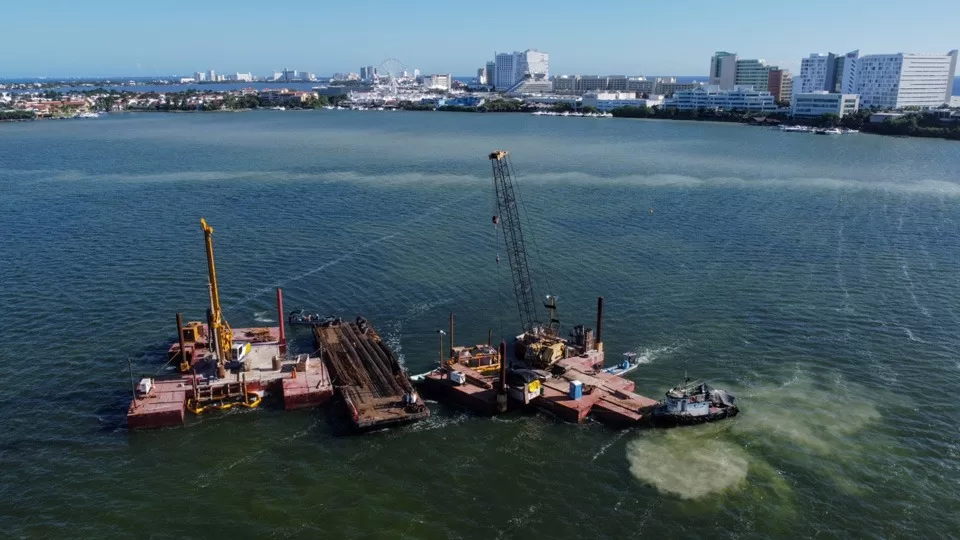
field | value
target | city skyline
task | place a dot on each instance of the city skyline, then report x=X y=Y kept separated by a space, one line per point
x=182 y=37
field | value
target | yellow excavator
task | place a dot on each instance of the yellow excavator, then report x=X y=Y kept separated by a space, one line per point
x=220 y=330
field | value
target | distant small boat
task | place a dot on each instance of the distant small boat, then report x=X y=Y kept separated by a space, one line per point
x=829 y=131
x=694 y=403
x=278 y=108
x=87 y=115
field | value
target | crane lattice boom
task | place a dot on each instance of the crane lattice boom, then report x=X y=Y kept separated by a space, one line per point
x=513 y=237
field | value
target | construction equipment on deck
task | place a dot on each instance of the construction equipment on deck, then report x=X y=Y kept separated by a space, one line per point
x=220 y=329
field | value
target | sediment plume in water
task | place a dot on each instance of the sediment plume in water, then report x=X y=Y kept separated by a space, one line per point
x=685 y=464
x=811 y=423
x=811 y=415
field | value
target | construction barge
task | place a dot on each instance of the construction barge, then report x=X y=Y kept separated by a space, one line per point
x=263 y=372
x=563 y=377
x=572 y=386
x=221 y=368
x=368 y=377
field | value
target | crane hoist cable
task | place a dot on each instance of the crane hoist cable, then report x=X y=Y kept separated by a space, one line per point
x=508 y=215
x=530 y=229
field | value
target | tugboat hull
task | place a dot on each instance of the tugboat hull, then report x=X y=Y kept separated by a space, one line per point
x=666 y=420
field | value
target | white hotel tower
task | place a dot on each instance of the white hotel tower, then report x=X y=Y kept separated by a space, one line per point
x=516 y=67
x=894 y=81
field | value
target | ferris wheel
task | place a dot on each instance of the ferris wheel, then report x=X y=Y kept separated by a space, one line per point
x=391 y=71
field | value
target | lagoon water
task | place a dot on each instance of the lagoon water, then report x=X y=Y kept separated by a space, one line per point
x=814 y=277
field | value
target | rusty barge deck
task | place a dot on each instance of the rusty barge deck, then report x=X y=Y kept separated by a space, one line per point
x=607 y=398
x=368 y=377
x=477 y=392
x=299 y=382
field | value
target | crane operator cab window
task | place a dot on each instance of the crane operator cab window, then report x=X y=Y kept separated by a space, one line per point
x=240 y=350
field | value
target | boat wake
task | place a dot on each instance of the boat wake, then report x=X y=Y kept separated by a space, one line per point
x=393 y=336
x=605 y=447
x=261 y=317
x=647 y=355
x=434 y=421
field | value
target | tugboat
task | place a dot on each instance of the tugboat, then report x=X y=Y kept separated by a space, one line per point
x=694 y=403
x=303 y=318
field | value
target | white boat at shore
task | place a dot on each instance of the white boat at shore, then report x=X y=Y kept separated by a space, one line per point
x=573 y=113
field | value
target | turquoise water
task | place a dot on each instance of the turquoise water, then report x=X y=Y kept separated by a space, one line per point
x=814 y=277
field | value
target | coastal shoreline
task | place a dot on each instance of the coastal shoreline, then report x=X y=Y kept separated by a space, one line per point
x=888 y=128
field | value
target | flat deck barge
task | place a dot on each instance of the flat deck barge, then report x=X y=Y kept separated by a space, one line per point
x=300 y=382
x=477 y=392
x=607 y=398
x=368 y=377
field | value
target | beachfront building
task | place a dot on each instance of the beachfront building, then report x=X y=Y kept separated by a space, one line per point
x=816 y=73
x=812 y=104
x=437 y=82
x=284 y=96
x=516 y=68
x=607 y=101
x=727 y=70
x=549 y=101
x=753 y=73
x=780 y=85
x=668 y=86
x=895 y=81
x=740 y=98
x=829 y=72
x=845 y=73
x=581 y=84
x=723 y=70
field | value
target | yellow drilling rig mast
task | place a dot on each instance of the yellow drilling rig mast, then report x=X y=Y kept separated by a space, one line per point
x=219 y=329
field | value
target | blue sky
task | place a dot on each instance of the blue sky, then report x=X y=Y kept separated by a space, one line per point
x=112 y=38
